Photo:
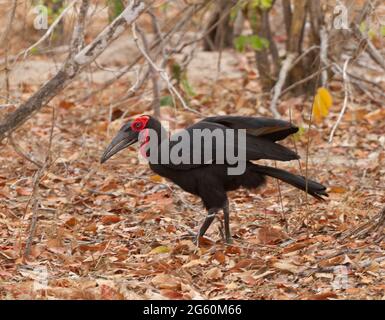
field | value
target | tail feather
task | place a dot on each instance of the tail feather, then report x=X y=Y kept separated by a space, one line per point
x=313 y=188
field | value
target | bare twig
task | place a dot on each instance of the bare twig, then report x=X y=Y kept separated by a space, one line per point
x=286 y=66
x=154 y=78
x=78 y=34
x=324 y=54
x=71 y=68
x=49 y=31
x=35 y=193
x=374 y=224
x=166 y=37
x=3 y=43
x=20 y=152
x=7 y=30
x=162 y=73
x=308 y=78
x=373 y=52
x=346 y=89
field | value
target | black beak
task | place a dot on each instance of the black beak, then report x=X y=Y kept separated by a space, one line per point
x=122 y=140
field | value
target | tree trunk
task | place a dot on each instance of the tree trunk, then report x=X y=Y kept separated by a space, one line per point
x=220 y=36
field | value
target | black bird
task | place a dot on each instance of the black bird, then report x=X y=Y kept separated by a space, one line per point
x=210 y=180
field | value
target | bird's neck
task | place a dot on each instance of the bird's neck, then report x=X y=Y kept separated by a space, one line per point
x=155 y=133
x=161 y=132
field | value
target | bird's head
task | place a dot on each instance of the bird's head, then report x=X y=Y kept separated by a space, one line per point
x=128 y=134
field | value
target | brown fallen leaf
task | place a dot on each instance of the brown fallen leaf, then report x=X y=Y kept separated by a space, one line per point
x=214 y=273
x=220 y=257
x=286 y=266
x=23 y=191
x=246 y=263
x=171 y=294
x=193 y=263
x=110 y=219
x=71 y=222
x=337 y=189
x=323 y=296
x=66 y=104
x=165 y=281
x=271 y=235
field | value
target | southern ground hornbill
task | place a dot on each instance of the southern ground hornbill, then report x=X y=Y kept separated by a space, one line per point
x=210 y=178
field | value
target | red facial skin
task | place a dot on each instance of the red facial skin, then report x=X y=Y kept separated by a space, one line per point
x=138 y=125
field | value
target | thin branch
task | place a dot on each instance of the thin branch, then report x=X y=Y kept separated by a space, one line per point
x=286 y=66
x=324 y=54
x=71 y=68
x=346 y=88
x=7 y=30
x=3 y=43
x=162 y=73
x=78 y=33
x=20 y=152
x=49 y=31
x=167 y=37
x=154 y=78
x=308 y=78
x=35 y=193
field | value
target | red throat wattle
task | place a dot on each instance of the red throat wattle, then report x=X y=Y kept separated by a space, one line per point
x=145 y=139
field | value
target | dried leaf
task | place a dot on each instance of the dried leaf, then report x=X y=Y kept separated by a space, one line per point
x=286 y=266
x=214 y=274
x=160 y=249
x=322 y=103
x=110 y=219
x=165 y=281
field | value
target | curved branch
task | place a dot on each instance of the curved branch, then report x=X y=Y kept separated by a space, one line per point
x=71 y=68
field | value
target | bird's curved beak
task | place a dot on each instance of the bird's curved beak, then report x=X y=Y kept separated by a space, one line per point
x=121 y=141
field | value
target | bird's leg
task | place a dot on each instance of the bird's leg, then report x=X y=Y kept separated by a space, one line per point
x=226 y=215
x=206 y=223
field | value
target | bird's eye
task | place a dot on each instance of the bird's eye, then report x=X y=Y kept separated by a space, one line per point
x=138 y=125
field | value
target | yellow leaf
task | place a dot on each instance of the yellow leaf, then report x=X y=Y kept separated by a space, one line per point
x=337 y=189
x=325 y=96
x=156 y=178
x=322 y=103
x=160 y=249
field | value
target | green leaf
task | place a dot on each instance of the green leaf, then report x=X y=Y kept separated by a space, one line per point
x=34 y=50
x=164 y=7
x=166 y=101
x=363 y=27
x=255 y=42
x=176 y=72
x=382 y=31
x=298 y=135
x=263 y=4
x=240 y=43
x=116 y=8
x=188 y=88
x=372 y=34
x=258 y=43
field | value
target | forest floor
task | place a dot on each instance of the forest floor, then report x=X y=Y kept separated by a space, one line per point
x=117 y=231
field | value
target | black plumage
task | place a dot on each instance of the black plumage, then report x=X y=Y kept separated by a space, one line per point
x=209 y=179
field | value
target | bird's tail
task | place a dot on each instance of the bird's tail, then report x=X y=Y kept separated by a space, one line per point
x=313 y=188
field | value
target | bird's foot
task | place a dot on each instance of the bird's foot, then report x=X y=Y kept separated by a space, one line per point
x=196 y=240
x=229 y=240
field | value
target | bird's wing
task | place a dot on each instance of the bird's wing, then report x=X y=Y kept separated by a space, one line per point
x=267 y=128
x=256 y=147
